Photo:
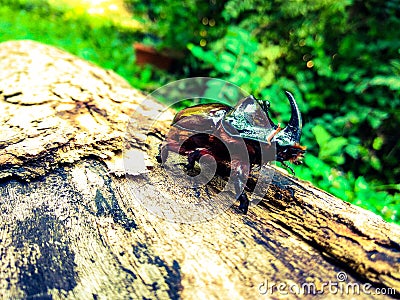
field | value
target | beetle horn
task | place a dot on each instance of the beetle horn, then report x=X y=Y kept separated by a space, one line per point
x=293 y=129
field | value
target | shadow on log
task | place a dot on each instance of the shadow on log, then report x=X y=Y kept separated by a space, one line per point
x=70 y=228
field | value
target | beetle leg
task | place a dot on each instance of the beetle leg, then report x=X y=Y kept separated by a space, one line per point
x=289 y=167
x=192 y=157
x=240 y=183
x=164 y=149
x=244 y=203
x=159 y=155
x=195 y=156
x=162 y=153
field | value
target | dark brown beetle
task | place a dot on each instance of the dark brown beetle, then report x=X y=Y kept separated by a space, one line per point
x=216 y=129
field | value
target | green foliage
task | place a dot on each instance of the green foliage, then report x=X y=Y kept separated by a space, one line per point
x=341 y=61
x=231 y=58
x=174 y=24
x=92 y=38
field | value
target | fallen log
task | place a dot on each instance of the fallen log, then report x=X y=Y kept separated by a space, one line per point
x=72 y=227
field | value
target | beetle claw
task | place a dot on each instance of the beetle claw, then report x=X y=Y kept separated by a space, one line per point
x=244 y=203
x=158 y=156
x=192 y=157
x=162 y=153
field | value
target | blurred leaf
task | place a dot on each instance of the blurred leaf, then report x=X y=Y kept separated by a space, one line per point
x=376 y=163
x=251 y=47
x=352 y=150
x=392 y=82
x=233 y=45
x=223 y=67
x=316 y=165
x=145 y=75
x=332 y=147
x=228 y=58
x=248 y=64
x=360 y=184
x=239 y=77
x=321 y=135
x=196 y=50
x=378 y=142
x=271 y=52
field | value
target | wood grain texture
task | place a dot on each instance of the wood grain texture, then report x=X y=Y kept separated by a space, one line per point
x=58 y=108
x=69 y=228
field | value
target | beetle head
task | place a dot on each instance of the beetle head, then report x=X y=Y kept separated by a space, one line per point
x=293 y=153
x=250 y=118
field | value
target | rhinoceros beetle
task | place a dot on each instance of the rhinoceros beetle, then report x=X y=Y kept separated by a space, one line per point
x=210 y=129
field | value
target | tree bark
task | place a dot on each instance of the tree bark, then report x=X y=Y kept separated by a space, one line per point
x=72 y=227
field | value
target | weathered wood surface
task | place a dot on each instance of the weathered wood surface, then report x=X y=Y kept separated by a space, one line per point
x=81 y=232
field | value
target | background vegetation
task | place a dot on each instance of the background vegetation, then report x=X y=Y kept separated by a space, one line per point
x=341 y=59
